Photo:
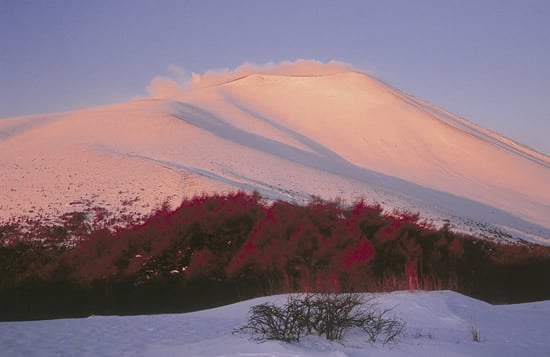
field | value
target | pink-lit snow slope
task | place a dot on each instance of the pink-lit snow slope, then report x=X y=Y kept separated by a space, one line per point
x=337 y=134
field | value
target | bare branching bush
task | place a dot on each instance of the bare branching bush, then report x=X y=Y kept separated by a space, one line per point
x=421 y=334
x=269 y=322
x=331 y=315
x=476 y=336
x=379 y=326
x=328 y=315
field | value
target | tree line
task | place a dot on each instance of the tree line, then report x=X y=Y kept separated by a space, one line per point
x=217 y=249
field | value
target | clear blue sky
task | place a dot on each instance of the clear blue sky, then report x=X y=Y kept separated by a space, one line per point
x=488 y=61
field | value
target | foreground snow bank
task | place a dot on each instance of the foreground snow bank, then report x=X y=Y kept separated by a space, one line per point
x=438 y=323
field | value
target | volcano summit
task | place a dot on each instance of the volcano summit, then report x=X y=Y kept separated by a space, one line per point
x=287 y=134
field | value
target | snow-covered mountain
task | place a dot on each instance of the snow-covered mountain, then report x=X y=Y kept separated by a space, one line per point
x=338 y=133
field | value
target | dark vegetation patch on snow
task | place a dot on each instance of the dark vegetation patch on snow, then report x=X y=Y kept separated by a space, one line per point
x=217 y=249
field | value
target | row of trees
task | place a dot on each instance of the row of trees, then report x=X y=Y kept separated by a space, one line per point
x=241 y=246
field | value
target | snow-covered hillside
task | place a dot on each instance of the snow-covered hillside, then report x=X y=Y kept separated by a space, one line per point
x=438 y=324
x=336 y=133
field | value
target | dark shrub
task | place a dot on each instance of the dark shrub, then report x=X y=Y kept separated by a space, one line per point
x=328 y=315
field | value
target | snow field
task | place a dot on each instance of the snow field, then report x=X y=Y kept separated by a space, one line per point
x=439 y=323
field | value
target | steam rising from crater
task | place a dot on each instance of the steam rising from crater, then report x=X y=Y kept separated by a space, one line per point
x=176 y=87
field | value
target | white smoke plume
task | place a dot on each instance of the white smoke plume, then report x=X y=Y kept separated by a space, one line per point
x=176 y=86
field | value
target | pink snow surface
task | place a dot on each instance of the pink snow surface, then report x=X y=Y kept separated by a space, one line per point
x=287 y=133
